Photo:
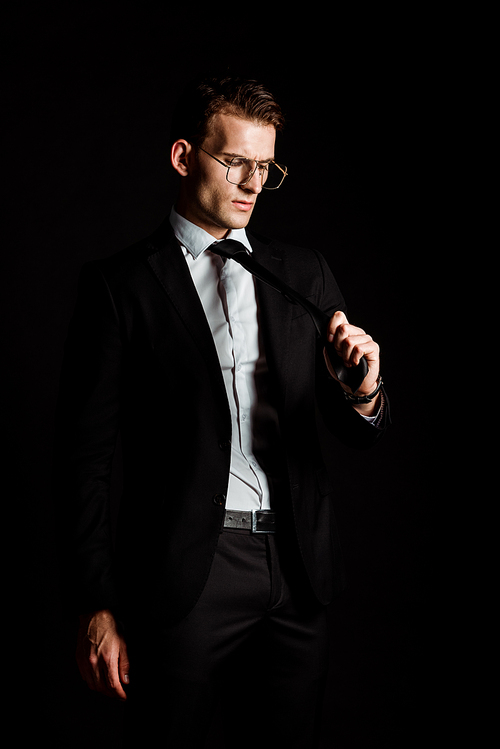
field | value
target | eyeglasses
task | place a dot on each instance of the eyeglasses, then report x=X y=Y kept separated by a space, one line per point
x=240 y=171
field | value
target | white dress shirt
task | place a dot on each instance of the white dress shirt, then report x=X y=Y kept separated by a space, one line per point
x=227 y=293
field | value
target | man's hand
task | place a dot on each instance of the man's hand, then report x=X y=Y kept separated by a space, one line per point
x=351 y=344
x=101 y=654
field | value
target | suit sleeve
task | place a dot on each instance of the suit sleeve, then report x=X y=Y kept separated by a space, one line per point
x=87 y=425
x=339 y=416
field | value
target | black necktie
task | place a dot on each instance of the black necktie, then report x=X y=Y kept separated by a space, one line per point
x=230 y=248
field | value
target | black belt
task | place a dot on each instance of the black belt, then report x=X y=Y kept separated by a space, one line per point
x=255 y=521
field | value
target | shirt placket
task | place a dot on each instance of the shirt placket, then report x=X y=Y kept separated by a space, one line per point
x=240 y=357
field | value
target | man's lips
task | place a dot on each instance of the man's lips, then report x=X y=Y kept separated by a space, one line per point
x=243 y=205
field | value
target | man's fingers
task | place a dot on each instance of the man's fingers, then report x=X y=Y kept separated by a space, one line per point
x=112 y=677
x=354 y=347
x=350 y=342
x=337 y=319
x=103 y=676
x=93 y=671
x=124 y=665
x=88 y=665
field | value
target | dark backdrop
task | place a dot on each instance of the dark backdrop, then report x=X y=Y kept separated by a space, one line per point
x=90 y=92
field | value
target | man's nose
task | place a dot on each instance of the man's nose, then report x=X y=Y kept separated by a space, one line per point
x=254 y=184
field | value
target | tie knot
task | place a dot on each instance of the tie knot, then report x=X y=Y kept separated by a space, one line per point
x=228 y=248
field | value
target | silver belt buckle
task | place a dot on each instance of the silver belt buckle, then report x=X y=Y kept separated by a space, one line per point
x=254 y=520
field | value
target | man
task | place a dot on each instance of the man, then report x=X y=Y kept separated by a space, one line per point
x=226 y=551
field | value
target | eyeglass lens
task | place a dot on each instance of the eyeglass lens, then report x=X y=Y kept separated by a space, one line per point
x=241 y=169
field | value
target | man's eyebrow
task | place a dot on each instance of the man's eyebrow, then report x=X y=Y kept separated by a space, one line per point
x=240 y=156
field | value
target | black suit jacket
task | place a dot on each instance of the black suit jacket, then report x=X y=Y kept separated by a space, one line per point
x=140 y=361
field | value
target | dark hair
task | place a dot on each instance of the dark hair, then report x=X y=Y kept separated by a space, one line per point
x=241 y=97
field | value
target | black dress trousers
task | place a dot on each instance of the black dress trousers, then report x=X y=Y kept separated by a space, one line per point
x=251 y=655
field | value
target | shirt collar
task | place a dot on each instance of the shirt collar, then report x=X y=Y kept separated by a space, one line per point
x=197 y=240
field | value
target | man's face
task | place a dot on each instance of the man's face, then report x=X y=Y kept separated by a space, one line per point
x=207 y=198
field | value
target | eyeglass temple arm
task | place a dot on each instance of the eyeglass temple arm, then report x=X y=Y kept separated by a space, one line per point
x=353 y=376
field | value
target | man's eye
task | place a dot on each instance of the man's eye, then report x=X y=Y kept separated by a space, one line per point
x=238 y=162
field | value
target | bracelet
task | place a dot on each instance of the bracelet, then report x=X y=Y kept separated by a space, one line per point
x=364 y=398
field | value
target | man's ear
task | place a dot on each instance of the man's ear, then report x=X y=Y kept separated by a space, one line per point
x=179 y=156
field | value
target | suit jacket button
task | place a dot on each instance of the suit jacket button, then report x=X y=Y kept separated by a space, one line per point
x=225 y=444
x=219 y=499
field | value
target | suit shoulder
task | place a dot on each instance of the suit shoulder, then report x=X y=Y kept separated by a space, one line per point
x=132 y=260
x=302 y=259
x=291 y=251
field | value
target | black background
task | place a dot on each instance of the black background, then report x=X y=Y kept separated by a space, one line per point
x=90 y=92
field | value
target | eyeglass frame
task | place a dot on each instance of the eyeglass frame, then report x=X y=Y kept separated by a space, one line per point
x=281 y=167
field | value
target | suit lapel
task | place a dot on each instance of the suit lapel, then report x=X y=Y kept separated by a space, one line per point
x=275 y=312
x=170 y=268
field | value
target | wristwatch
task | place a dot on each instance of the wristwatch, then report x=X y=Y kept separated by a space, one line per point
x=356 y=399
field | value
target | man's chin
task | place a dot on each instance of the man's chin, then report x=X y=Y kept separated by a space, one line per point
x=240 y=219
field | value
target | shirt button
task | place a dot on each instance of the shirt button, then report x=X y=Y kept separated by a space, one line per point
x=219 y=499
